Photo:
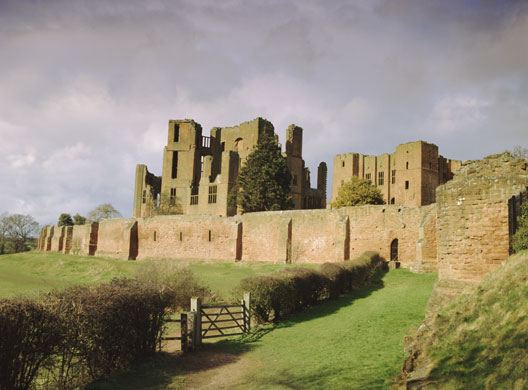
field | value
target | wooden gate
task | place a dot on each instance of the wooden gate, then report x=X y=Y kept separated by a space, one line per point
x=221 y=320
x=213 y=321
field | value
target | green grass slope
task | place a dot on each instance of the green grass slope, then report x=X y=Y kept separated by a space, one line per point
x=481 y=340
x=355 y=342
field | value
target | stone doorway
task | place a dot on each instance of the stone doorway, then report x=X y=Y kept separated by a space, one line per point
x=394 y=250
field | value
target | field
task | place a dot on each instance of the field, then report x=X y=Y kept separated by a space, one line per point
x=355 y=342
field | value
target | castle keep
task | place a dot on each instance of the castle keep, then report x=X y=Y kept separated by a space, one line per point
x=408 y=177
x=199 y=171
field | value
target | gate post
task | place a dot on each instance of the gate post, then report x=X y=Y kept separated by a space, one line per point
x=184 y=333
x=246 y=303
x=196 y=307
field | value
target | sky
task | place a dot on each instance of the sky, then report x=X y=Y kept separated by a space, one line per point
x=87 y=87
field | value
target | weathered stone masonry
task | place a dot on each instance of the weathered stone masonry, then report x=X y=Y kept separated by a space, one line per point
x=462 y=237
x=296 y=236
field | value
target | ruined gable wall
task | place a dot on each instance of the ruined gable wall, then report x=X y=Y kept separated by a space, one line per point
x=114 y=238
x=57 y=239
x=194 y=233
x=473 y=236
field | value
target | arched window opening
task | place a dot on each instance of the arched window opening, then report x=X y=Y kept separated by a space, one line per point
x=394 y=250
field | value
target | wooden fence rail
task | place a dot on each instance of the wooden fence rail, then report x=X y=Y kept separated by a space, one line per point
x=212 y=321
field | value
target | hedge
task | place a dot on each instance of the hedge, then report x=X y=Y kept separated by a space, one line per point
x=279 y=294
x=68 y=339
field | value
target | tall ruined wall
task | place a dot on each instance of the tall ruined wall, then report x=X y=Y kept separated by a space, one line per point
x=473 y=233
x=188 y=237
x=84 y=239
x=114 y=238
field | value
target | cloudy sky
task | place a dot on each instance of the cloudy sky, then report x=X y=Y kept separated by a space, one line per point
x=87 y=87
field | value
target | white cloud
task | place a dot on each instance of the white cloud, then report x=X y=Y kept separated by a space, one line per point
x=454 y=114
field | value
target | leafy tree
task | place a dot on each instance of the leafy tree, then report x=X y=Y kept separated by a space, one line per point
x=520 y=238
x=103 y=211
x=17 y=232
x=65 y=220
x=79 y=219
x=264 y=180
x=357 y=192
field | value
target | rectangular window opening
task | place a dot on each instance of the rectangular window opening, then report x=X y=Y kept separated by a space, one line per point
x=406 y=184
x=144 y=196
x=201 y=165
x=155 y=236
x=212 y=194
x=381 y=177
x=176 y=132
x=368 y=176
x=181 y=236
x=172 y=196
x=174 y=165
x=209 y=235
x=393 y=180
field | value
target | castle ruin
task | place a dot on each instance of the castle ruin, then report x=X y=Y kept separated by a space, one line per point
x=409 y=176
x=199 y=171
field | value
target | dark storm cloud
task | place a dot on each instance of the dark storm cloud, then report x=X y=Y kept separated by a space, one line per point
x=87 y=87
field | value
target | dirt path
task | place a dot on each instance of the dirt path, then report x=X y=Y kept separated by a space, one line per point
x=209 y=370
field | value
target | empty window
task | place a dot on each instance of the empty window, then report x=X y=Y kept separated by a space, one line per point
x=406 y=184
x=368 y=176
x=176 y=132
x=144 y=196
x=212 y=194
x=343 y=164
x=209 y=235
x=381 y=178
x=172 y=196
x=393 y=200
x=201 y=165
x=393 y=179
x=155 y=236
x=181 y=236
x=223 y=146
x=174 y=165
x=407 y=165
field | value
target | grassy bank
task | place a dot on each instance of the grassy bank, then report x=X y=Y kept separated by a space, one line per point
x=354 y=342
x=32 y=272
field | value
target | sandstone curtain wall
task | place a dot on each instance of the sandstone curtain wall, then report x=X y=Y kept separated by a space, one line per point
x=297 y=236
x=187 y=237
x=473 y=221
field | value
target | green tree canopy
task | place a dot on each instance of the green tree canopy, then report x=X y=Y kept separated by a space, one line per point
x=17 y=231
x=103 y=211
x=263 y=182
x=357 y=192
x=520 y=238
x=65 y=220
x=79 y=219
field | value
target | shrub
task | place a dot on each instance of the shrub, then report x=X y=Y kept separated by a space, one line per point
x=338 y=276
x=310 y=285
x=174 y=281
x=105 y=328
x=271 y=296
x=29 y=333
x=520 y=238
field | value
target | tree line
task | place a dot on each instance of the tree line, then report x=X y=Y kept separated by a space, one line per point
x=18 y=232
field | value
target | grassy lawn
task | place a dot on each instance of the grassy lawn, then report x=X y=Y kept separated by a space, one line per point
x=355 y=342
x=32 y=272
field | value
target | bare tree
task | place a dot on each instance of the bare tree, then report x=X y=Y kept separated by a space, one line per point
x=519 y=151
x=103 y=211
x=17 y=231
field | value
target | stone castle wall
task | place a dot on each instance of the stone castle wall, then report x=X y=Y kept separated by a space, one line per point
x=296 y=236
x=473 y=216
x=462 y=237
